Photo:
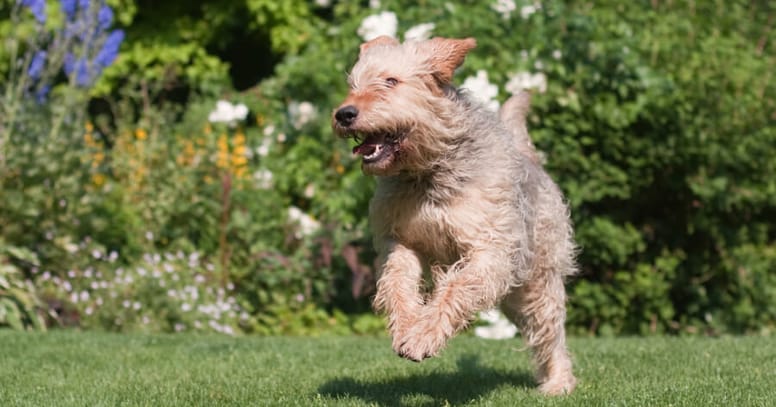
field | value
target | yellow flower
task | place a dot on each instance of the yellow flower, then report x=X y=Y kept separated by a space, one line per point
x=89 y=127
x=98 y=179
x=222 y=160
x=89 y=139
x=97 y=159
x=141 y=134
x=239 y=160
x=239 y=139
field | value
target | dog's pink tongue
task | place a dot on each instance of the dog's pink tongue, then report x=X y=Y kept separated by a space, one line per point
x=364 y=149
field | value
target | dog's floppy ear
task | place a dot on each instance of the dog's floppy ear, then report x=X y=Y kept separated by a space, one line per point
x=447 y=54
x=381 y=40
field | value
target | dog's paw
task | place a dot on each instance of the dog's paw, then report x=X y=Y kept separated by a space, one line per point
x=559 y=386
x=419 y=344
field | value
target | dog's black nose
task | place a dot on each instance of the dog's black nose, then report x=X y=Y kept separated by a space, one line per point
x=346 y=115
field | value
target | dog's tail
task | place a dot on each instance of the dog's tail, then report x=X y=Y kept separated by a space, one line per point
x=513 y=114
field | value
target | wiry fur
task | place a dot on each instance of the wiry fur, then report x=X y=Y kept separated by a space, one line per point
x=463 y=200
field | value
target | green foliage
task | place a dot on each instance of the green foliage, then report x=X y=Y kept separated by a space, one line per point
x=20 y=307
x=662 y=140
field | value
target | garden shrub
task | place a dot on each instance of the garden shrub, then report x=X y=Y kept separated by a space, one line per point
x=656 y=119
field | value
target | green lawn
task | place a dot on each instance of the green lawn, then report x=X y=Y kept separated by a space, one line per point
x=94 y=369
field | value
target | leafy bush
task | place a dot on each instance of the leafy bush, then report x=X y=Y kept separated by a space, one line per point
x=20 y=307
x=661 y=139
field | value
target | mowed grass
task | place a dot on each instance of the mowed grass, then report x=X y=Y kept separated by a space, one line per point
x=67 y=368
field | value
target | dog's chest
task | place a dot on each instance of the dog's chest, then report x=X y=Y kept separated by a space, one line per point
x=418 y=223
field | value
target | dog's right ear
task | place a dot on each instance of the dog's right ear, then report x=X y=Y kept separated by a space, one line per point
x=381 y=40
x=447 y=54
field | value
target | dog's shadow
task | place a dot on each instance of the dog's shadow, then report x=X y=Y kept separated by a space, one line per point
x=468 y=382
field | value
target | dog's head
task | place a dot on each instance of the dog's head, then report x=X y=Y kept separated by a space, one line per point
x=398 y=97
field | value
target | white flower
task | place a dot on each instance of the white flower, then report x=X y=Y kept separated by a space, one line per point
x=526 y=80
x=96 y=254
x=179 y=327
x=557 y=54
x=419 y=32
x=499 y=328
x=376 y=25
x=323 y=3
x=526 y=11
x=504 y=7
x=306 y=224
x=263 y=149
x=301 y=113
x=263 y=178
x=136 y=306
x=482 y=90
x=374 y=4
x=228 y=113
x=84 y=295
x=309 y=191
x=185 y=307
x=149 y=235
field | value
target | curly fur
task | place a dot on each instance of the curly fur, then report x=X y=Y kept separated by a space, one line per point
x=464 y=216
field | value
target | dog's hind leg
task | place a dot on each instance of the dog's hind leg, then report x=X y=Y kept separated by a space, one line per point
x=538 y=309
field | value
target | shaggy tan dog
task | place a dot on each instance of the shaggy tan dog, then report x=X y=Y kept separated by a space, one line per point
x=461 y=197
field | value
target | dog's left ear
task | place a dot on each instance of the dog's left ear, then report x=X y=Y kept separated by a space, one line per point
x=447 y=54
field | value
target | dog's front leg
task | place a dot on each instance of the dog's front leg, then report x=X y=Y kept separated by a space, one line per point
x=474 y=283
x=398 y=288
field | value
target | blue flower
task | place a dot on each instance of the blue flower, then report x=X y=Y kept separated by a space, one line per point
x=69 y=7
x=110 y=49
x=78 y=67
x=104 y=17
x=42 y=94
x=37 y=7
x=37 y=64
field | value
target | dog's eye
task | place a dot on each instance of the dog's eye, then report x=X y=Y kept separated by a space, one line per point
x=391 y=81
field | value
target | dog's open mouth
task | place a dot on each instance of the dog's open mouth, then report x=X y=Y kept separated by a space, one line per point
x=375 y=147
